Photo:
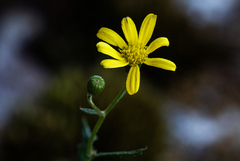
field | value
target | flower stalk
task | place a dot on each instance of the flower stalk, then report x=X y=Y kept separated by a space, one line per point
x=102 y=115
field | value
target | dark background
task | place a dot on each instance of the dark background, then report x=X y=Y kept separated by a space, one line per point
x=48 y=52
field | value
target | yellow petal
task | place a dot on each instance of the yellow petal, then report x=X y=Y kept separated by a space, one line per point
x=111 y=37
x=108 y=50
x=160 y=63
x=129 y=30
x=133 y=80
x=147 y=28
x=157 y=43
x=112 y=63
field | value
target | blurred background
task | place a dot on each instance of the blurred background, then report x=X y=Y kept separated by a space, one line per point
x=48 y=52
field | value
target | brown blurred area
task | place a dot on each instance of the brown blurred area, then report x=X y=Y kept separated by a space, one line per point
x=48 y=52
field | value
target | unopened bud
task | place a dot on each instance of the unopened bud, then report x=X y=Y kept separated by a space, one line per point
x=95 y=85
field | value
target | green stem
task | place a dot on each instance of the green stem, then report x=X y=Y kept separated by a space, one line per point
x=102 y=116
x=89 y=98
x=115 y=101
x=93 y=134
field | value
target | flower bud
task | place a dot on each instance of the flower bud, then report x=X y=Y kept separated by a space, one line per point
x=95 y=85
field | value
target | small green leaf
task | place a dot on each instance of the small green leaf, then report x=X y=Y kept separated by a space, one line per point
x=122 y=153
x=89 y=111
x=82 y=147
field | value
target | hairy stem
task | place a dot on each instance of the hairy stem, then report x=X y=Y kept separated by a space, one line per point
x=102 y=115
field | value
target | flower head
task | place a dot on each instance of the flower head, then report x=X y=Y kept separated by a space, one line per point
x=134 y=52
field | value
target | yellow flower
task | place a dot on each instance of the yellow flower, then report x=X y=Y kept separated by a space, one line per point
x=135 y=52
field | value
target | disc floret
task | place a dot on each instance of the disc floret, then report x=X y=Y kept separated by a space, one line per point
x=134 y=54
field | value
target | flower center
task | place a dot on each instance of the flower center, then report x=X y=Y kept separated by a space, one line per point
x=134 y=54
